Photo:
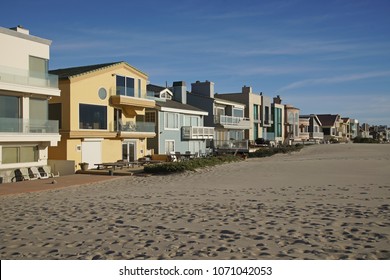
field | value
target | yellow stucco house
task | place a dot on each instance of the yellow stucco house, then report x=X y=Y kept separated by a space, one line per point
x=101 y=114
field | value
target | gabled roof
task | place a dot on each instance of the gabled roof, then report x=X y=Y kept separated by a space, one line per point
x=327 y=119
x=155 y=88
x=65 y=73
x=177 y=105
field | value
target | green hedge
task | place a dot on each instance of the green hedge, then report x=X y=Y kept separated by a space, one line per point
x=267 y=152
x=365 y=140
x=174 y=167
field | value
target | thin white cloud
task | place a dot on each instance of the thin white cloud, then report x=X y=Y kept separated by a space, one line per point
x=334 y=80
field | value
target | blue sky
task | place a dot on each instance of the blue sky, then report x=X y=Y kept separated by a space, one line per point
x=321 y=56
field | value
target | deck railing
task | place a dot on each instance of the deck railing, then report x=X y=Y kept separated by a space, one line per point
x=231 y=144
x=197 y=132
x=26 y=77
x=16 y=125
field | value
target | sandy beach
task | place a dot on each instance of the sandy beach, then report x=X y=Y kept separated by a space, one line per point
x=325 y=202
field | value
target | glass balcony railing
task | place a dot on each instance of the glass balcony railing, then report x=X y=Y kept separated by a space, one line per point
x=13 y=125
x=135 y=127
x=26 y=77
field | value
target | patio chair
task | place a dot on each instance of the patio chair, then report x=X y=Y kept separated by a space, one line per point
x=47 y=170
x=33 y=175
x=40 y=175
x=19 y=176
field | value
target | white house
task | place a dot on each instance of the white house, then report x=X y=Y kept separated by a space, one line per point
x=25 y=88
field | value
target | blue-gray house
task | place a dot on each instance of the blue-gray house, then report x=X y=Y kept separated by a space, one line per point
x=179 y=126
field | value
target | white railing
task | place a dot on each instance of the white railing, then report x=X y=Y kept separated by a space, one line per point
x=197 y=132
x=230 y=120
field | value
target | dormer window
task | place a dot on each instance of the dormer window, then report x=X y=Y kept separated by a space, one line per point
x=166 y=94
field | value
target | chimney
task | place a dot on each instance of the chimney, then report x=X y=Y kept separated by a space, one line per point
x=20 y=29
x=180 y=92
x=203 y=88
x=246 y=90
x=277 y=100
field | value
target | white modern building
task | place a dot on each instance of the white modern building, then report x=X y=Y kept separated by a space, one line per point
x=25 y=88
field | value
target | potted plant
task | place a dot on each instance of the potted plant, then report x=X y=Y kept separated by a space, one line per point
x=84 y=166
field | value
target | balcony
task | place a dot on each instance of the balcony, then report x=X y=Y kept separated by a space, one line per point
x=13 y=76
x=25 y=130
x=197 y=132
x=316 y=135
x=136 y=129
x=231 y=145
x=232 y=122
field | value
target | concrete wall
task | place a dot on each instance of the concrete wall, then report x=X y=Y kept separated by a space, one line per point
x=22 y=47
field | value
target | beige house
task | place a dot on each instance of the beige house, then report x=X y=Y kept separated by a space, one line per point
x=291 y=124
x=25 y=89
x=102 y=114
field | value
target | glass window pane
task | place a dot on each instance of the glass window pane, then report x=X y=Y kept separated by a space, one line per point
x=129 y=86
x=28 y=154
x=9 y=106
x=38 y=67
x=10 y=155
x=38 y=109
x=92 y=116
x=120 y=85
x=55 y=113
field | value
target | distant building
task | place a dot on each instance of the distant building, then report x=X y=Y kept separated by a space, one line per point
x=25 y=89
x=179 y=126
x=231 y=127
x=291 y=124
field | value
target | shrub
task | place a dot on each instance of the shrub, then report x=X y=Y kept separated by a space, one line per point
x=365 y=140
x=267 y=152
x=174 y=167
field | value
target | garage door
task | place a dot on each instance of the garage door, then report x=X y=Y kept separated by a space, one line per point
x=91 y=152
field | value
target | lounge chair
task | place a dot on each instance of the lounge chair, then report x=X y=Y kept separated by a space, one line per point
x=39 y=175
x=19 y=176
x=32 y=175
x=46 y=171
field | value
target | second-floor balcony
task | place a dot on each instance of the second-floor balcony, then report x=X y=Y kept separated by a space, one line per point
x=25 y=130
x=27 y=126
x=232 y=122
x=28 y=78
x=136 y=129
x=197 y=132
x=316 y=135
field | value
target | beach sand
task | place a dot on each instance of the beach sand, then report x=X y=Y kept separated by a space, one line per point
x=325 y=202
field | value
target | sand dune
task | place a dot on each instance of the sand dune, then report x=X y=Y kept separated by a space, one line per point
x=325 y=202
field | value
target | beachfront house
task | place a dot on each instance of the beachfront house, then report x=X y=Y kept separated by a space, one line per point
x=310 y=128
x=25 y=89
x=276 y=132
x=291 y=125
x=179 y=126
x=252 y=111
x=102 y=114
x=227 y=117
x=330 y=125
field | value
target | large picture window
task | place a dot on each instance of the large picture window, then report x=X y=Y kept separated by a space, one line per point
x=92 y=116
x=20 y=154
x=124 y=86
x=238 y=112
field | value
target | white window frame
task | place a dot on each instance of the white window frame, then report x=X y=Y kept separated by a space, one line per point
x=176 y=120
x=166 y=146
